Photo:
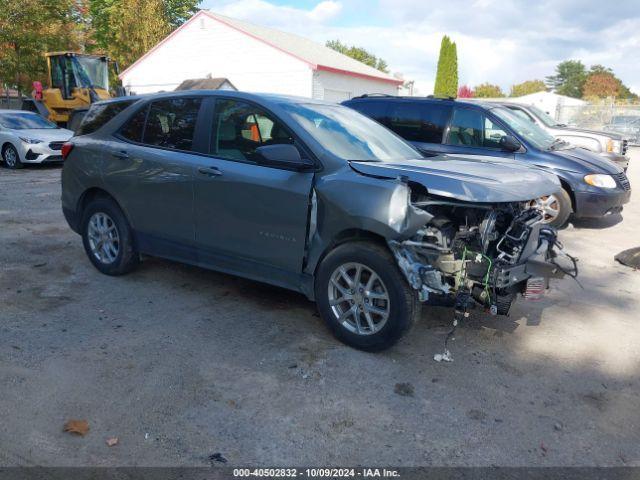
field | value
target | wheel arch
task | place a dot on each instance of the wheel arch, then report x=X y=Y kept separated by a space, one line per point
x=567 y=188
x=93 y=193
x=347 y=236
x=8 y=143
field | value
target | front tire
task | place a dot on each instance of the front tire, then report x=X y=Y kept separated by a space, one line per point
x=11 y=157
x=363 y=297
x=108 y=238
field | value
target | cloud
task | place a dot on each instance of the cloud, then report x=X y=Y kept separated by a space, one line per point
x=500 y=41
x=325 y=11
x=266 y=13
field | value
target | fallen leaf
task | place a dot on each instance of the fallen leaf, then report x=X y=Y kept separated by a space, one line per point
x=111 y=441
x=544 y=449
x=78 y=427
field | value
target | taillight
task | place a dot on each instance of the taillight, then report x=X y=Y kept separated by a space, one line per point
x=66 y=150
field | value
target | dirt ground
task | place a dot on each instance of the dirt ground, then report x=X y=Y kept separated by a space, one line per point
x=181 y=363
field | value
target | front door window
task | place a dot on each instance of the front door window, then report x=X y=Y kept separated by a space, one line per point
x=471 y=128
x=240 y=128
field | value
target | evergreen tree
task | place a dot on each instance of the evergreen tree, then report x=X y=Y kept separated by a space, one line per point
x=569 y=78
x=447 y=74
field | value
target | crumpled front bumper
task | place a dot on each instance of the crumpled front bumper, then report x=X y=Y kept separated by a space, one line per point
x=546 y=261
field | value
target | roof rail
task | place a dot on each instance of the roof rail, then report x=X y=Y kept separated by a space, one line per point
x=367 y=95
x=439 y=97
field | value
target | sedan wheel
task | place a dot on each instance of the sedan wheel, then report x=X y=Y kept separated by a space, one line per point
x=359 y=299
x=11 y=157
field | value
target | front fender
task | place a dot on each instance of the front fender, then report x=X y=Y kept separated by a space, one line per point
x=347 y=201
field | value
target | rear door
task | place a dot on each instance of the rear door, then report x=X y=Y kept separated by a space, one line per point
x=245 y=211
x=421 y=123
x=472 y=132
x=151 y=173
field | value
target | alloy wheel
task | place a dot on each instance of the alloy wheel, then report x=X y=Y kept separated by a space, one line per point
x=548 y=206
x=10 y=157
x=359 y=298
x=104 y=239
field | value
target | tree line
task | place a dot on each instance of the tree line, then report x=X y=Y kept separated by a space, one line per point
x=122 y=29
x=571 y=79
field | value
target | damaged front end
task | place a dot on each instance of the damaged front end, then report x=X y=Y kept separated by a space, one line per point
x=478 y=253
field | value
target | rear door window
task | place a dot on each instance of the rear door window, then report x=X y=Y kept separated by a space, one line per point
x=372 y=109
x=98 y=115
x=171 y=123
x=418 y=121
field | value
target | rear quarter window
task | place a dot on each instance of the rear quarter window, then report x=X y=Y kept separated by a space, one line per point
x=133 y=129
x=98 y=115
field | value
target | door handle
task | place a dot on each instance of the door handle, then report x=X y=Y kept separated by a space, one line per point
x=121 y=154
x=210 y=171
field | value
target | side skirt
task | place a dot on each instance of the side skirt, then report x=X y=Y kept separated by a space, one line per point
x=179 y=252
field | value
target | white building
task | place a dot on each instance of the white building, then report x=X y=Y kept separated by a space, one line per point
x=549 y=102
x=254 y=59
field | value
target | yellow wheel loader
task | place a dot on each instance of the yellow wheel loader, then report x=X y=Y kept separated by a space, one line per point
x=75 y=81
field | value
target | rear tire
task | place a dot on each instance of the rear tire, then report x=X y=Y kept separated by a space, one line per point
x=108 y=238
x=373 y=309
x=11 y=157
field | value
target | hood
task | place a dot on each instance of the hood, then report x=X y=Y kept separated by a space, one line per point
x=613 y=136
x=585 y=161
x=469 y=178
x=45 y=134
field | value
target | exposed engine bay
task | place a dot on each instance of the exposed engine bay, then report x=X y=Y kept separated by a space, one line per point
x=480 y=253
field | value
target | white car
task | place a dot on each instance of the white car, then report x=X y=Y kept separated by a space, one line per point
x=26 y=137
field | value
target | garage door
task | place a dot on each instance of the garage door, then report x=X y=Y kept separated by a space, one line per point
x=336 y=95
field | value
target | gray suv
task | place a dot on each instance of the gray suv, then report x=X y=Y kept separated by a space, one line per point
x=309 y=196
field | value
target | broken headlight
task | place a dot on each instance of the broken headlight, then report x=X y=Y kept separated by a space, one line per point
x=398 y=206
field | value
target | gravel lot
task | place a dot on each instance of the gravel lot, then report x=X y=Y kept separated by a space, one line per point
x=180 y=363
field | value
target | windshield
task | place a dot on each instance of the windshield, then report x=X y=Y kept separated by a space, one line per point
x=350 y=135
x=529 y=131
x=24 y=120
x=544 y=117
x=91 y=71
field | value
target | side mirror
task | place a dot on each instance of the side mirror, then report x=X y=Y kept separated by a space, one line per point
x=284 y=156
x=510 y=143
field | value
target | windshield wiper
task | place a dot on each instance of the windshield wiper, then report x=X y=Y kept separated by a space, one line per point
x=557 y=143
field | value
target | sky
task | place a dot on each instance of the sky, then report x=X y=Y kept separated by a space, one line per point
x=499 y=41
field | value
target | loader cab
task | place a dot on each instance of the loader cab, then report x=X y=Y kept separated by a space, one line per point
x=75 y=82
x=71 y=71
